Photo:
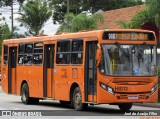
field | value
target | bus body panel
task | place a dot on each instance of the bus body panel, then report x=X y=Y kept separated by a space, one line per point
x=65 y=76
x=62 y=79
x=4 y=80
x=33 y=76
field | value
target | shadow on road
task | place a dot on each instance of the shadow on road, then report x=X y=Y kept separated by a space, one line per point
x=53 y=108
x=68 y=111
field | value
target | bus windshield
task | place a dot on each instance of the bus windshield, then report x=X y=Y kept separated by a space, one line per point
x=129 y=60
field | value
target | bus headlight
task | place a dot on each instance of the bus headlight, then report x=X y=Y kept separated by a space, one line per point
x=154 y=88
x=107 y=88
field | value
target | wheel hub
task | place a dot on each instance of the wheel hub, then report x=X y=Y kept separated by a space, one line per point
x=78 y=98
x=24 y=96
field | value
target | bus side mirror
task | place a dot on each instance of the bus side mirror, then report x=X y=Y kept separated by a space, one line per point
x=98 y=56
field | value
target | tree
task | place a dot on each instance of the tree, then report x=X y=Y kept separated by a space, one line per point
x=150 y=14
x=77 y=6
x=9 y=2
x=81 y=22
x=125 y=25
x=34 y=14
x=6 y=33
x=154 y=11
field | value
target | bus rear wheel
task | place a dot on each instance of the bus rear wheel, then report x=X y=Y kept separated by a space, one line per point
x=125 y=106
x=25 y=95
x=77 y=100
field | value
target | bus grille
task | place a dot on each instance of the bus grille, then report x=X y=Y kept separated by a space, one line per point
x=140 y=96
x=133 y=81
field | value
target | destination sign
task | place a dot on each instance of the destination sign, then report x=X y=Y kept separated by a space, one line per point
x=128 y=36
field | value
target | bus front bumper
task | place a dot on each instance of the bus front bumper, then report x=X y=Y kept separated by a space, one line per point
x=141 y=97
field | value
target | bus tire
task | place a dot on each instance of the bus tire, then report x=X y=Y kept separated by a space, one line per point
x=25 y=94
x=77 y=100
x=125 y=106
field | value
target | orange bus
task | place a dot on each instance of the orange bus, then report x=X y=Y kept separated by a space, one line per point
x=96 y=67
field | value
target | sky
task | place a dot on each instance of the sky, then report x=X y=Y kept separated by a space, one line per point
x=49 y=28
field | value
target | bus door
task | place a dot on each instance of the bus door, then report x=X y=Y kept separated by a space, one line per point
x=48 y=82
x=90 y=72
x=12 y=70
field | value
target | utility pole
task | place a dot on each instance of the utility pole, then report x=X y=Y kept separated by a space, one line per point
x=68 y=15
x=0 y=16
x=12 y=15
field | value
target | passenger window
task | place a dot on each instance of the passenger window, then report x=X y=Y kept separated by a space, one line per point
x=21 y=49
x=20 y=53
x=28 y=48
x=63 y=58
x=20 y=59
x=63 y=46
x=28 y=59
x=63 y=52
x=77 y=45
x=37 y=59
x=28 y=54
x=76 y=58
x=5 y=58
x=77 y=51
x=38 y=53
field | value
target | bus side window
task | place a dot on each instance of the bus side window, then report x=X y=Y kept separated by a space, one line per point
x=77 y=51
x=28 y=53
x=63 y=46
x=5 y=58
x=38 y=53
x=20 y=53
x=63 y=52
x=63 y=58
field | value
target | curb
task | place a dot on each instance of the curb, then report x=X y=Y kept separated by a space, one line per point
x=156 y=105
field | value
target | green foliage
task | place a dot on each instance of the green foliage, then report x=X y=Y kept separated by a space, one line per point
x=77 y=6
x=9 y=2
x=114 y=4
x=125 y=25
x=140 y=18
x=34 y=14
x=154 y=11
x=158 y=71
x=5 y=33
x=150 y=14
x=81 y=22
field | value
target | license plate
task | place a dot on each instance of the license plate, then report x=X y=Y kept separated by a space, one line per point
x=133 y=97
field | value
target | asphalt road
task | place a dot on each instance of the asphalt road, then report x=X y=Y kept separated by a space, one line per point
x=54 y=108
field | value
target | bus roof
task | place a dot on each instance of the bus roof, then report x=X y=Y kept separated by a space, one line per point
x=93 y=33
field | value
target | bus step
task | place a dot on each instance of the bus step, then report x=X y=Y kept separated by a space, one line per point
x=48 y=98
x=92 y=103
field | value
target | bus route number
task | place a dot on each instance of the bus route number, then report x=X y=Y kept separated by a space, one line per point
x=112 y=36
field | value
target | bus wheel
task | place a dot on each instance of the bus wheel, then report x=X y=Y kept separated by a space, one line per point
x=77 y=100
x=25 y=94
x=125 y=106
